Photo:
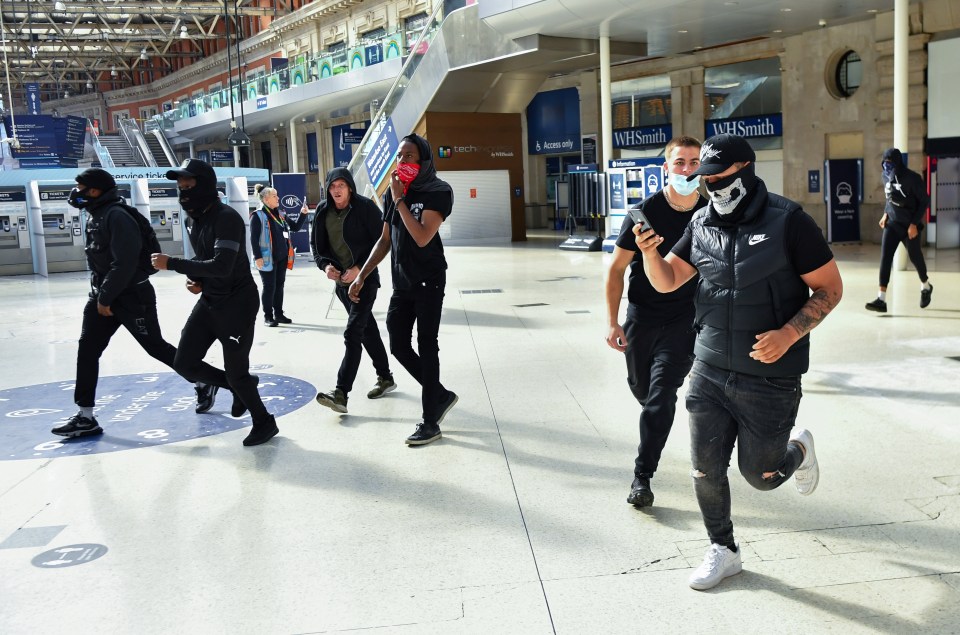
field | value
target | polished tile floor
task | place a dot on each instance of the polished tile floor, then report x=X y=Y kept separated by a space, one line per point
x=514 y=522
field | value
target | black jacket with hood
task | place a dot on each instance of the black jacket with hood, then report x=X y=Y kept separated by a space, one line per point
x=906 y=192
x=112 y=247
x=362 y=227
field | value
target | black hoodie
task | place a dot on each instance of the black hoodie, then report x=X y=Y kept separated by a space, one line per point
x=362 y=227
x=112 y=247
x=906 y=192
x=410 y=263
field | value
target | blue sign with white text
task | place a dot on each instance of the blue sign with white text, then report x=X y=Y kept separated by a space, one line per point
x=749 y=127
x=553 y=122
x=381 y=152
x=643 y=136
x=221 y=156
x=582 y=167
x=373 y=54
x=618 y=199
x=344 y=138
x=261 y=103
x=813 y=181
x=313 y=156
x=33 y=98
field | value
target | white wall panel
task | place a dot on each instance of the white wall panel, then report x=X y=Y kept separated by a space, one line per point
x=481 y=207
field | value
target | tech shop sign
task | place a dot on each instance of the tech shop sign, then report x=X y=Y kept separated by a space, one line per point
x=749 y=127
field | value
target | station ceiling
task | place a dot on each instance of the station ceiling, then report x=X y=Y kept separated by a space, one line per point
x=78 y=45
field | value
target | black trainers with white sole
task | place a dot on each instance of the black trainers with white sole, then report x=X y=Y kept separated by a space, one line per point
x=78 y=426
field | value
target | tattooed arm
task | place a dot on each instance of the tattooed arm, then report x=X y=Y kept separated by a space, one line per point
x=827 y=288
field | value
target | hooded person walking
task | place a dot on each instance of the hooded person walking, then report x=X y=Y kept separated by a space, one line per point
x=416 y=204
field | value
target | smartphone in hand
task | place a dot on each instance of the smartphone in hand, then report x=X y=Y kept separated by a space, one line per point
x=637 y=216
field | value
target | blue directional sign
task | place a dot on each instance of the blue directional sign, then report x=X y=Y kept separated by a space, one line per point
x=135 y=411
x=381 y=153
x=33 y=98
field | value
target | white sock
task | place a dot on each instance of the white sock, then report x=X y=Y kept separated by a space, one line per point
x=926 y=286
x=86 y=412
x=882 y=295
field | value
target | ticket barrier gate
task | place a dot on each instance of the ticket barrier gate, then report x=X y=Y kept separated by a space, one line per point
x=16 y=253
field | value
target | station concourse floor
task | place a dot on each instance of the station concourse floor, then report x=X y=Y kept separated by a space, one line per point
x=516 y=520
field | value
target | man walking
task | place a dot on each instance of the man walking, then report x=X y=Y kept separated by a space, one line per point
x=657 y=336
x=228 y=304
x=346 y=226
x=901 y=222
x=759 y=256
x=416 y=205
x=120 y=295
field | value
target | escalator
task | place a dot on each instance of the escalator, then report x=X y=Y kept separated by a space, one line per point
x=461 y=64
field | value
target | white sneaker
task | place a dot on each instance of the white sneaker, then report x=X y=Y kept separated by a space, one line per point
x=808 y=474
x=719 y=563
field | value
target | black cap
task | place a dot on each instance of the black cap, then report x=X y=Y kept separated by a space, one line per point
x=96 y=177
x=195 y=168
x=721 y=151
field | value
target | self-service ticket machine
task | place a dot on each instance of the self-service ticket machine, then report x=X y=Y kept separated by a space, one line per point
x=63 y=228
x=16 y=253
x=159 y=202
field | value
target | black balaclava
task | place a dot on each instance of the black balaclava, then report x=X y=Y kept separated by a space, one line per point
x=198 y=198
x=91 y=177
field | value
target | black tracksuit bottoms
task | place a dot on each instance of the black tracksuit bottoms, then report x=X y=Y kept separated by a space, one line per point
x=231 y=322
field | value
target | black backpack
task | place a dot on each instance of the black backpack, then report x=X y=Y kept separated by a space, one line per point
x=149 y=244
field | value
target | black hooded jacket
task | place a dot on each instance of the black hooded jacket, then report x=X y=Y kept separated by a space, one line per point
x=112 y=247
x=362 y=227
x=906 y=192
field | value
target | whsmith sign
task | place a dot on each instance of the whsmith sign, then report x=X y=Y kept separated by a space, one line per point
x=750 y=127
x=645 y=136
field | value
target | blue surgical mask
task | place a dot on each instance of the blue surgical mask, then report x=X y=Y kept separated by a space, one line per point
x=682 y=186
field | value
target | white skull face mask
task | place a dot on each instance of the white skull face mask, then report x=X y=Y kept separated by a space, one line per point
x=727 y=193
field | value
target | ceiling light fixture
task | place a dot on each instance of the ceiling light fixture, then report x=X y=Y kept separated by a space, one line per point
x=682 y=31
x=786 y=9
x=143 y=54
x=778 y=30
x=113 y=71
x=183 y=32
x=89 y=85
x=59 y=6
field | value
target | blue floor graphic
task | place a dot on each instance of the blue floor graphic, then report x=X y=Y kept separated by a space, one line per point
x=135 y=411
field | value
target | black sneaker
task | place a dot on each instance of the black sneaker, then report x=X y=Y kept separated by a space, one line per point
x=78 y=426
x=206 y=397
x=282 y=319
x=445 y=405
x=640 y=493
x=925 y=296
x=383 y=386
x=879 y=305
x=269 y=320
x=424 y=434
x=336 y=401
x=262 y=432
x=238 y=408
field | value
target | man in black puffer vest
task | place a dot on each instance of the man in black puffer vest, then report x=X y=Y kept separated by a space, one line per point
x=759 y=256
x=120 y=294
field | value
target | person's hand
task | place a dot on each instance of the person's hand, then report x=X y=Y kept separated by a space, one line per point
x=912 y=231
x=194 y=287
x=104 y=310
x=304 y=209
x=647 y=240
x=883 y=221
x=396 y=186
x=771 y=345
x=354 y=290
x=259 y=263
x=350 y=275
x=616 y=338
x=159 y=261
x=332 y=272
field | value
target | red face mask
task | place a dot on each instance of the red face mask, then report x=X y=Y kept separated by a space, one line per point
x=407 y=172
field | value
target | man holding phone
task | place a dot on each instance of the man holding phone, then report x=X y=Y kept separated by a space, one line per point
x=657 y=336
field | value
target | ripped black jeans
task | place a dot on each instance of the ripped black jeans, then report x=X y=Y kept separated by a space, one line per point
x=757 y=413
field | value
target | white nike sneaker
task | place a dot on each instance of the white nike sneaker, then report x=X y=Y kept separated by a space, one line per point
x=719 y=563
x=807 y=475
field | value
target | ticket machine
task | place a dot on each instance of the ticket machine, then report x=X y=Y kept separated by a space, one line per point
x=16 y=254
x=163 y=208
x=63 y=228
